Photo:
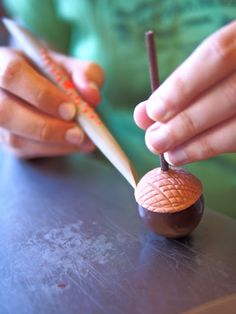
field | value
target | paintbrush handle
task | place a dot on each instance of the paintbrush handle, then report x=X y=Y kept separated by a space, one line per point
x=60 y=77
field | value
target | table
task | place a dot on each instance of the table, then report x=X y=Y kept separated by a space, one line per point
x=71 y=241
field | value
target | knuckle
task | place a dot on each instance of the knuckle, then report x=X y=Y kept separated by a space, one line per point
x=46 y=98
x=9 y=70
x=230 y=90
x=44 y=132
x=42 y=96
x=188 y=123
x=172 y=136
x=180 y=85
x=206 y=150
x=218 y=46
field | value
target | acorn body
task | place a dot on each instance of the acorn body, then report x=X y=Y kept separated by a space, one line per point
x=170 y=202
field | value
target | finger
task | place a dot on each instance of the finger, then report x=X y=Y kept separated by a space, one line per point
x=93 y=71
x=212 y=61
x=88 y=90
x=140 y=116
x=24 y=120
x=216 y=106
x=20 y=79
x=25 y=148
x=216 y=141
x=89 y=78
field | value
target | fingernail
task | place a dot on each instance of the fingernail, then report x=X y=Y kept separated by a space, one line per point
x=158 y=139
x=178 y=157
x=67 y=111
x=157 y=109
x=74 y=136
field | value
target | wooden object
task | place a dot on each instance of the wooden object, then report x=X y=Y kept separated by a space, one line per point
x=154 y=77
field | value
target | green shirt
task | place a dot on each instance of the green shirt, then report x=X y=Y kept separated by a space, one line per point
x=112 y=34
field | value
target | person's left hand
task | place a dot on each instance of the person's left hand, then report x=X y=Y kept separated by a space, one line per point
x=192 y=115
x=36 y=117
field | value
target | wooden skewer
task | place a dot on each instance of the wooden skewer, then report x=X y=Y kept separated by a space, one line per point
x=86 y=117
x=154 y=78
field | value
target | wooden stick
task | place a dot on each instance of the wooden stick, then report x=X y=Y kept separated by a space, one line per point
x=154 y=78
x=86 y=117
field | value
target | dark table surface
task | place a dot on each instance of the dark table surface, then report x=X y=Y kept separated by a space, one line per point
x=71 y=241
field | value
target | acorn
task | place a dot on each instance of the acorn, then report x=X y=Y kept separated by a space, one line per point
x=170 y=202
x=170 y=199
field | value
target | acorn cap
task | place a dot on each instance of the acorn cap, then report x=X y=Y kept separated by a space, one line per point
x=168 y=191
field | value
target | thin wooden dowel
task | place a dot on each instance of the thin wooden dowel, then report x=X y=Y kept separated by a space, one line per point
x=154 y=78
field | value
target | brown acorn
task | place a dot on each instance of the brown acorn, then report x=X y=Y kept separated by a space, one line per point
x=170 y=202
x=170 y=199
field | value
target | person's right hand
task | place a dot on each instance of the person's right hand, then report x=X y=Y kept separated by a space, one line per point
x=191 y=116
x=36 y=118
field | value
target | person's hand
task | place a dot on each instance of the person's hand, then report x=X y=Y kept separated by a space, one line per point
x=35 y=116
x=192 y=115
